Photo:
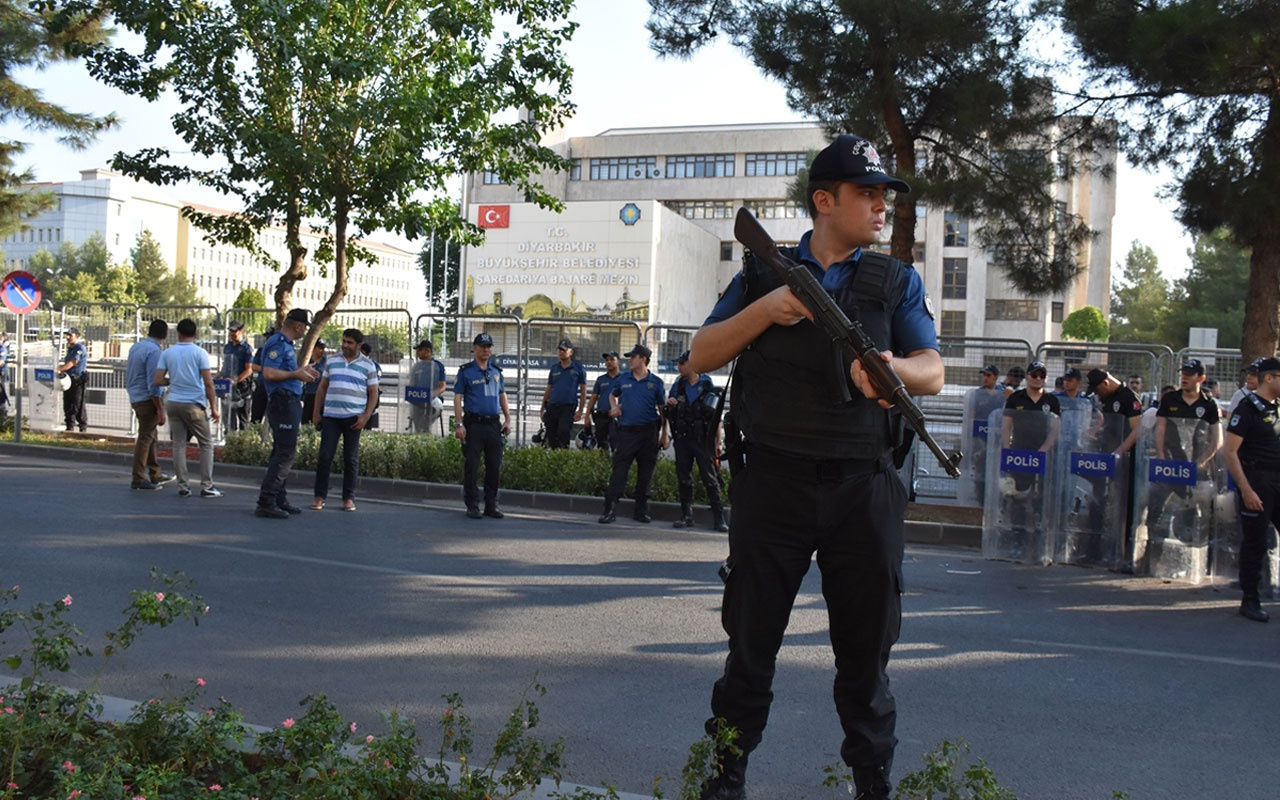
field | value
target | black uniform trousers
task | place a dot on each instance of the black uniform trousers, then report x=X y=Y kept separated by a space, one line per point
x=850 y=514
x=238 y=416
x=603 y=427
x=73 y=403
x=559 y=423
x=638 y=443
x=1253 y=528
x=483 y=439
x=284 y=415
x=692 y=449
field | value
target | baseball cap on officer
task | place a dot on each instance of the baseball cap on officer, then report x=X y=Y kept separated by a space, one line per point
x=683 y=357
x=639 y=350
x=322 y=344
x=1017 y=372
x=72 y=332
x=425 y=344
x=1192 y=366
x=1266 y=365
x=482 y=339
x=990 y=369
x=1097 y=377
x=1071 y=374
x=1038 y=366
x=565 y=344
x=855 y=160
x=610 y=354
x=235 y=325
x=1252 y=369
x=299 y=315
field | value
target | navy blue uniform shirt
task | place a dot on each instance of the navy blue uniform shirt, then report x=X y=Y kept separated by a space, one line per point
x=912 y=329
x=80 y=356
x=480 y=389
x=235 y=357
x=278 y=353
x=639 y=399
x=564 y=382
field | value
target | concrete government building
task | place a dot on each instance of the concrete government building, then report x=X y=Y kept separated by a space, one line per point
x=120 y=208
x=647 y=233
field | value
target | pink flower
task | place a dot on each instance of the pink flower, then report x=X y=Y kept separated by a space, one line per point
x=67 y=766
x=368 y=739
x=288 y=723
x=66 y=601
x=140 y=797
x=11 y=786
x=215 y=787
x=74 y=794
x=159 y=597
x=200 y=681
x=8 y=709
x=352 y=727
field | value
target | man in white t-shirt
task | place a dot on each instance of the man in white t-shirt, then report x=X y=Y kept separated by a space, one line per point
x=345 y=401
x=189 y=404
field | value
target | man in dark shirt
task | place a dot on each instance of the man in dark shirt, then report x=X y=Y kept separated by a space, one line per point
x=1121 y=410
x=1252 y=452
x=1189 y=402
x=1030 y=423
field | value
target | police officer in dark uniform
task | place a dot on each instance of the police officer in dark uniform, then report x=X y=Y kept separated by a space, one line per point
x=819 y=474
x=691 y=410
x=283 y=380
x=1192 y=402
x=1035 y=426
x=565 y=396
x=237 y=366
x=480 y=406
x=636 y=403
x=1252 y=451
x=75 y=368
x=598 y=420
x=1118 y=431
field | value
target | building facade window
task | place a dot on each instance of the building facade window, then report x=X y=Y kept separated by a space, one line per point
x=951 y=323
x=776 y=209
x=575 y=169
x=955 y=231
x=490 y=178
x=624 y=169
x=764 y=165
x=701 y=209
x=1023 y=310
x=955 y=278
x=1056 y=310
x=706 y=166
x=726 y=251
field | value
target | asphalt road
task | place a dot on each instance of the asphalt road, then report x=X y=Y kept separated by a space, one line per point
x=1070 y=683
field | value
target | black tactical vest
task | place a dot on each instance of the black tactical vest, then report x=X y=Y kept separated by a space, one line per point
x=791 y=386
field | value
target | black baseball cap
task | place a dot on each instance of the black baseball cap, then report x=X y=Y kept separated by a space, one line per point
x=565 y=344
x=1072 y=373
x=610 y=354
x=299 y=315
x=322 y=344
x=1037 y=366
x=853 y=159
x=1017 y=372
x=990 y=369
x=1097 y=377
x=482 y=338
x=683 y=357
x=1193 y=366
x=639 y=350
x=425 y=343
x=235 y=325
x=1253 y=366
x=1268 y=365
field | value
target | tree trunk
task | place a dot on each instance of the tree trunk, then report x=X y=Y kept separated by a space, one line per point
x=341 y=218
x=297 y=270
x=1262 y=304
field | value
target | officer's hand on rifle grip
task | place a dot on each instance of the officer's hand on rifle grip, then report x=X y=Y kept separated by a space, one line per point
x=785 y=308
x=862 y=380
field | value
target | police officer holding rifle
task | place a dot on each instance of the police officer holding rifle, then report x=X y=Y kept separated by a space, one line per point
x=819 y=434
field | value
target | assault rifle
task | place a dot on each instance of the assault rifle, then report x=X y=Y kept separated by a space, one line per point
x=845 y=333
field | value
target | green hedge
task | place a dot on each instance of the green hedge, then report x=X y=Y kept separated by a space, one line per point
x=434 y=460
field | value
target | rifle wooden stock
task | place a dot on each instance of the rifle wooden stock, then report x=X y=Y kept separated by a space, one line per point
x=848 y=334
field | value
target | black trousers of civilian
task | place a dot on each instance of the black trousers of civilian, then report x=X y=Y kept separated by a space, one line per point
x=852 y=519
x=331 y=428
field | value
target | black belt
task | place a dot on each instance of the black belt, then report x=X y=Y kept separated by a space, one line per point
x=479 y=419
x=651 y=426
x=819 y=470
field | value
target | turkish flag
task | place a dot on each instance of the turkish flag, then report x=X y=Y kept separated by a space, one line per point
x=494 y=216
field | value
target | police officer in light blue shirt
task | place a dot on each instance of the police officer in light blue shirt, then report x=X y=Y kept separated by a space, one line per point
x=636 y=404
x=283 y=379
x=480 y=406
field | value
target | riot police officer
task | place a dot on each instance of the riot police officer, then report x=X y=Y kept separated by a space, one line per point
x=636 y=403
x=237 y=366
x=283 y=379
x=691 y=411
x=1252 y=451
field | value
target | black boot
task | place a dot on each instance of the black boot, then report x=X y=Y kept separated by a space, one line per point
x=872 y=783
x=717 y=517
x=686 y=516
x=1251 y=608
x=642 y=512
x=608 y=515
x=729 y=780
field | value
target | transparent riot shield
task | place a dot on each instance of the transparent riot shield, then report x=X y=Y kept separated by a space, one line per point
x=979 y=404
x=1095 y=498
x=1174 y=499
x=1020 y=510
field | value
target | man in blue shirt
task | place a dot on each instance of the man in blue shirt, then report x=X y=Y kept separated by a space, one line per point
x=818 y=472
x=480 y=407
x=636 y=403
x=427 y=373
x=564 y=398
x=190 y=404
x=148 y=406
x=283 y=379
x=237 y=366
x=599 y=420
x=691 y=409
x=75 y=366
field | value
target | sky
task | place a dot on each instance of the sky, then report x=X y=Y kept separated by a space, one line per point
x=619 y=82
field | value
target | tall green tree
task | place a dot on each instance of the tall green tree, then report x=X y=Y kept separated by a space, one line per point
x=1085 y=324
x=156 y=283
x=250 y=297
x=1213 y=292
x=343 y=116
x=968 y=118
x=441 y=263
x=33 y=35
x=1139 y=298
x=1196 y=84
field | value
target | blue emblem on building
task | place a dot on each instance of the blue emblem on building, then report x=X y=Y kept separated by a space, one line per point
x=630 y=214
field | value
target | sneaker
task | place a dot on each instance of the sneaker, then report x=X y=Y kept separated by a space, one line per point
x=184 y=491
x=144 y=486
x=212 y=491
x=163 y=479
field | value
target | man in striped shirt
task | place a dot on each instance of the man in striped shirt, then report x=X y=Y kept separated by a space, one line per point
x=346 y=399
